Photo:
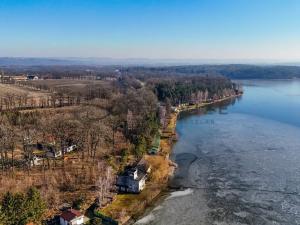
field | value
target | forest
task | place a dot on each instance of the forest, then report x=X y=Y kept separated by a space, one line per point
x=70 y=144
x=234 y=71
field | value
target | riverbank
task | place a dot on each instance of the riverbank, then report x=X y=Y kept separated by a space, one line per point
x=126 y=208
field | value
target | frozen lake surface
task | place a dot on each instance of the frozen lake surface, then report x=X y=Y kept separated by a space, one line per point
x=239 y=163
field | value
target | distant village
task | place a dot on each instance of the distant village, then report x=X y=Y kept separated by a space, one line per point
x=7 y=79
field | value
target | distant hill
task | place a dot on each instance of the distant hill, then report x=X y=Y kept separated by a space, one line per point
x=230 y=71
x=18 y=61
x=6 y=61
x=144 y=67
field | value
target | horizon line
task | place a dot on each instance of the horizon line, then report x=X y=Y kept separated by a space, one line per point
x=112 y=61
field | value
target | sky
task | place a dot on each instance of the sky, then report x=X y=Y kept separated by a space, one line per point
x=156 y=29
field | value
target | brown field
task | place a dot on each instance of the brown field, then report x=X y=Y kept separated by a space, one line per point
x=69 y=86
x=36 y=94
x=16 y=90
x=66 y=82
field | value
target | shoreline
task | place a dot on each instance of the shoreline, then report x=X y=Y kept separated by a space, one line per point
x=163 y=169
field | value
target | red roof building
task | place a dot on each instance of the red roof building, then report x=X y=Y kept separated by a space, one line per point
x=71 y=217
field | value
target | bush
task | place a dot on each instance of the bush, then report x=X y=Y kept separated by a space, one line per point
x=96 y=221
x=77 y=203
x=141 y=146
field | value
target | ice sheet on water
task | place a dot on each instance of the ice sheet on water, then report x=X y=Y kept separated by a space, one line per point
x=247 y=167
x=251 y=164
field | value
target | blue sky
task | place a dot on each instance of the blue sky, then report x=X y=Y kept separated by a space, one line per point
x=181 y=29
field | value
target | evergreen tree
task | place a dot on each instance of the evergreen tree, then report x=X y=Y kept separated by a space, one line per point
x=21 y=209
x=141 y=145
x=13 y=209
x=2 y=217
x=34 y=206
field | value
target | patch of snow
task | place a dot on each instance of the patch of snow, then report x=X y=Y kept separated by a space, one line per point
x=147 y=219
x=176 y=194
x=157 y=208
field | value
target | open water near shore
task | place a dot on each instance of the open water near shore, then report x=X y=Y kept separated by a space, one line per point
x=239 y=162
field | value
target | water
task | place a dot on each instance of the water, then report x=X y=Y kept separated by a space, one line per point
x=239 y=163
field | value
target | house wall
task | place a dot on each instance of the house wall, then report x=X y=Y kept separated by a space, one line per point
x=77 y=221
x=137 y=186
x=133 y=187
x=62 y=221
x=142 y=184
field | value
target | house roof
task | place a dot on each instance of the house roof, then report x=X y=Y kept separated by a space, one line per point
x=143 y=166
x=70 y=214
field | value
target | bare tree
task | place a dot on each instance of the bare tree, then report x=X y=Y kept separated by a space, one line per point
x=105 y=181
x=7 y=143
x=65 y=130
x=97 y=134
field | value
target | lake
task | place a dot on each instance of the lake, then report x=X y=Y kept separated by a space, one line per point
x=238 y=162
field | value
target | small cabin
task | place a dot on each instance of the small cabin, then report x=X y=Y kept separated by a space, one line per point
x=174 y=109
x=71 y=217
x=36 y=161
x=32 y=77
x=19 y=78
x=53 y=152
x=70 y=148
x=155 y=148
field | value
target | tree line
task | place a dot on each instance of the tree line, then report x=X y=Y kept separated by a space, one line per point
x=193 y=90
x=16 y=101
x=232 y=71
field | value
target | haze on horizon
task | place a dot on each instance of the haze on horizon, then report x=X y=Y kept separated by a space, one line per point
x=156 y=29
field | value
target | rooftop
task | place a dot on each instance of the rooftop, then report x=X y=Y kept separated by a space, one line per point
x=70 y=214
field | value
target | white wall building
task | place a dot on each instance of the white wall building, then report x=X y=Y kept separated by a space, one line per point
x=71 y=217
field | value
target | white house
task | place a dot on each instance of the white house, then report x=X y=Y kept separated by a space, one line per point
x=70 y=148
x=53 y=153
x=133 y=180
x=71 y=217
x=32 y=77
x=36 y=161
